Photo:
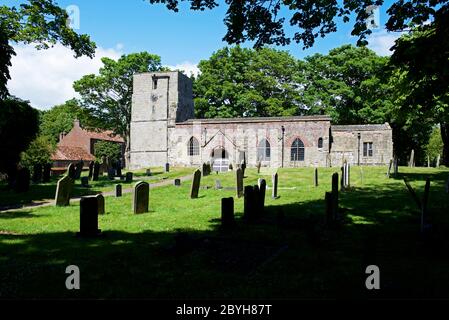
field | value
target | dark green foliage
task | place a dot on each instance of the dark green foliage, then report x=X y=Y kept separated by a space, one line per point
x=38 y=152
x=6 y=52
x=110 y=150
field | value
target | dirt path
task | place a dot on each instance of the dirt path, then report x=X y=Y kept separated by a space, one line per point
x=47 y=203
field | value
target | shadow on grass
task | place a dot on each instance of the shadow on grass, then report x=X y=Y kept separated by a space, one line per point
x=288 y=253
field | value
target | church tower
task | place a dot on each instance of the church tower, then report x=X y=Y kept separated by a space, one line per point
x=160 y=99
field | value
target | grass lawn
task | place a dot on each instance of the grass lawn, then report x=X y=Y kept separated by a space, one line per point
x=46 y=191
x=275 y=258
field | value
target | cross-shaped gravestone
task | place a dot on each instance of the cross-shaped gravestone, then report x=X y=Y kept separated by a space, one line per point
x=141 y=197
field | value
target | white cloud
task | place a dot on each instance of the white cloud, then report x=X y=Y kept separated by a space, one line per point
x=381 y=42
x=45 y=77
x=188 y=68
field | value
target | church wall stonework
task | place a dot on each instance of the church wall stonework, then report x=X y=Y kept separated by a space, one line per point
x=163 y=124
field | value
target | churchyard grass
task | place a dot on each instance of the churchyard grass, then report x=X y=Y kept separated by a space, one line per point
x=288 y=255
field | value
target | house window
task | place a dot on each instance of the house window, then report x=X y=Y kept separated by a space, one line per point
x=264 y=151
x=367 y=149
x=194 y=147
x=297 y=150
x=320 y=143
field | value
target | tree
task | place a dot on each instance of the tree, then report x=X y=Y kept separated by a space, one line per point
x=434 y=148
x=238 y=82
x=38 y=152
x=18 y=127
x=60 y=119
x=109 y=150
x=268 y=22
x=6 y=53
x=108 y=96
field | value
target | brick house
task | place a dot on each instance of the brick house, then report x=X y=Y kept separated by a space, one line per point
x=79 y=144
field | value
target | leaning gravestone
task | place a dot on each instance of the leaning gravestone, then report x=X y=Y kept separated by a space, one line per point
x=100 y=199
x=239 y=177
x=63 y=191
x=274 y=191
x=71 y=171
x=195 y=184
x=141 y=197
x=91 y=169
x=96 y=171
x=85 y=182
x=118 y=190
x=37 y=173
x=46 y=173
x=167 y=167
x=129 y=177
x=177 y=182
x=227 y=212
x=89 y=217
x=22 y=180
x=78 y=169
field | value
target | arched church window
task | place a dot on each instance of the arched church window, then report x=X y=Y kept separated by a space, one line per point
x=194 y=147
x=297 y=150
x=264 y=151
x=320 y=143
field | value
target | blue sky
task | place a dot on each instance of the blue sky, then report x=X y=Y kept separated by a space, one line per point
x=181 y=39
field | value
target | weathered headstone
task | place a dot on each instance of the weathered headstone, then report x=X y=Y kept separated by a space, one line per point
x=118 y=172
x=141 y=197
x=262 y=184
x=231 y=167
x=194 y=190
x=96 y=171
x=316 y=177
x=85 y=182
x=239 y=178
x=274 y=182
x=118 y=190
x=91 y=169
x=78 y=169
x=63 y=191
x=177 y=182
x=89 y=217
x=218 y=185
x=167 y=167
x=227 y=212
x=204 y=171
x=249 y=204
x=101 y=208
x=71 y=171
x=22 y=180
x=46 y=173
x=129 y=177
x=111 y=173
x=335 y=196
x=148 y=172
x=37 y=173
x=342 y=178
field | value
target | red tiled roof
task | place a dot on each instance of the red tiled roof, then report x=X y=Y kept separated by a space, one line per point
x=71 y=153
x=107 y=135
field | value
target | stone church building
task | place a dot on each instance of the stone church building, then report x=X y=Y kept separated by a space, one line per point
x=164 y=130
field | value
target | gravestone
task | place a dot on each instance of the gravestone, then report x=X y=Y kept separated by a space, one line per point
x=243 y=166
x=78 y=169
x=342 y=179
x=118 y=190
x=194 y=190
x=148 y=173
x=335 y=196
x=227 y=212
x=316 y=177
x=71 y=171
x=348 y=176
x=37 y=173
x=118 y=172
x=167 y=167
x=395 y=166
x=262 y=191
x=100 y=199
x=204 y=171
x=85 y=182
x=218 y=185
x=22 y=180
x=89 y=217
x=96 y=171
x=141 y=197
x=249 y=203
x=177 y=182
x=111 y=173
x=274 y=181
x=239 y=177
x=231 y=167
x=129 y=177
x=91 y=169
x=46 y=173
x=63 y=191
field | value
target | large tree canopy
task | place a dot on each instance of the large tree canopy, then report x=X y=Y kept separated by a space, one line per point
x=267 y=21
x=238 y=82
x=108 y=96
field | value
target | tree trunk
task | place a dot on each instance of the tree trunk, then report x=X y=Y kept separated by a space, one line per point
x=445 y=137
x=127 y=151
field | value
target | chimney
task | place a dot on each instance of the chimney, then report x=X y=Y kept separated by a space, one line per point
x=76 y=123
